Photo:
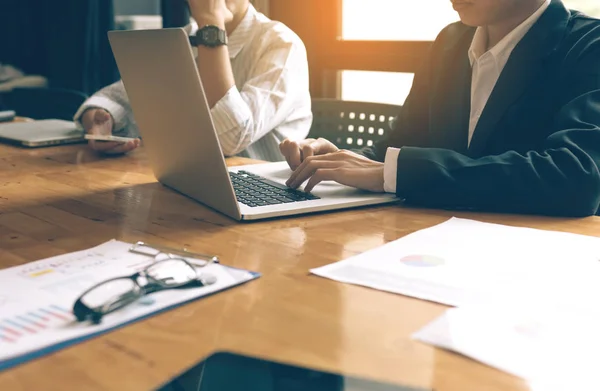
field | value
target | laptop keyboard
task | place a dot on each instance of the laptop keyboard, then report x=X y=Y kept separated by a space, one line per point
x=253 y=190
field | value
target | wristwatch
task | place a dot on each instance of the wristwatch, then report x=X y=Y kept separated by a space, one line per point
x=209 y=35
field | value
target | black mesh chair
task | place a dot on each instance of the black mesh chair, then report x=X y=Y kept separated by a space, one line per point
x=350 y=124
x=44 y=103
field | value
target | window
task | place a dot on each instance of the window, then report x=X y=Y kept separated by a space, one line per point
x=395 y=20
x=590 y=7
x=381 y=87
x=401 y=20
x=388 y=20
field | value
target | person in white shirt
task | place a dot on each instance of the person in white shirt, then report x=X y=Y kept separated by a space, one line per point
x=503 y=116
x=256 y=84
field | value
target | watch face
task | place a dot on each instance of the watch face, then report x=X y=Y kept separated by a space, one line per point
x=210 y=35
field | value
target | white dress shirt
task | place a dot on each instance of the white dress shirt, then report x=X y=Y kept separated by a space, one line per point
x=487 y=65
x=269 y=103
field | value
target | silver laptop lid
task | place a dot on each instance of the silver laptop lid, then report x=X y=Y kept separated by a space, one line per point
x=41 y=133
x=165 y=91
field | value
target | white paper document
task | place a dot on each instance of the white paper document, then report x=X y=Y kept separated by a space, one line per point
x=554 y=350
x=466 y=262
x=36 y=299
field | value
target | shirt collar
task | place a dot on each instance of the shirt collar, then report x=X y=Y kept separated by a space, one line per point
x=501 y=51
x=239 y=37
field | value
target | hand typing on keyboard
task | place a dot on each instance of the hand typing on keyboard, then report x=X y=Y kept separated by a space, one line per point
x=253 y=190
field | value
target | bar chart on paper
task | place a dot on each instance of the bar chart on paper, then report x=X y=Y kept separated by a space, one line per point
x=36 y=299
x=23 y=325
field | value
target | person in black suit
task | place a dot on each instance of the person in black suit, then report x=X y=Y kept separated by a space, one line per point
x=503 y=116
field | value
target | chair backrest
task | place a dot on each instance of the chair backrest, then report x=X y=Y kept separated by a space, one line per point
x=44 y=103
x=351 y=124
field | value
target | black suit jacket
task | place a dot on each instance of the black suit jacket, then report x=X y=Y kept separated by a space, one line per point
x=536 y=148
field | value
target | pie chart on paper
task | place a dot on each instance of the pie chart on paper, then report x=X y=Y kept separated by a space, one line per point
x=422 y=260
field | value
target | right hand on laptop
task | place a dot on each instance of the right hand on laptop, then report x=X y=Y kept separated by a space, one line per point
x=296 y=151
x=99 y=121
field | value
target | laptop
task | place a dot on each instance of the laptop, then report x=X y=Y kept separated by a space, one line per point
x=41 y=133
x=160 y=76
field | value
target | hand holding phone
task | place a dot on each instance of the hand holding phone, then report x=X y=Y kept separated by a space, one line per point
x=112 y=145
x=98 y=124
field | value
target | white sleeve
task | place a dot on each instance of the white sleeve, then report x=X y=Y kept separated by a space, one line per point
x=390 y=169
x=113 y=99
x=279 y=78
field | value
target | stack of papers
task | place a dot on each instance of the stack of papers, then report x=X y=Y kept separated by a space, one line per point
x=463 y=262
x=36 y=299
x=529 y=300
x=552 y=349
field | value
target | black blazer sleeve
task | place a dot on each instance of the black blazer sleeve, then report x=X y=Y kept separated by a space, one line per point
x=561 y=177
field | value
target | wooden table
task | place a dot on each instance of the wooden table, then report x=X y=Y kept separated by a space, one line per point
x=62 y=199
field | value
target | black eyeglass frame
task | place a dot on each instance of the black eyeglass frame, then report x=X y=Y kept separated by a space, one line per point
x=83 y=312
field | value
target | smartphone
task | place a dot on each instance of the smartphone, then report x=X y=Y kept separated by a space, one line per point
x=108 y=137
x=227 y=371
x=6 y=116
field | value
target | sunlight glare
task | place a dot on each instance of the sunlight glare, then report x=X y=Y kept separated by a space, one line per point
x=395 y=20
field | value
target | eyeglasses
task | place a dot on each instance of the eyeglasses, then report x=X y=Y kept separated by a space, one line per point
x=168 y=271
